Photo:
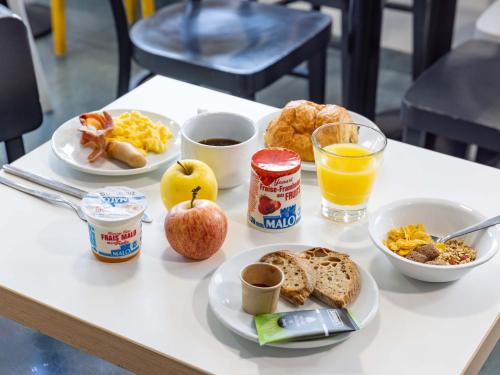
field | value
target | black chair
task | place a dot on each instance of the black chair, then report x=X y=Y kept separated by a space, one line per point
x=345 y=42
x=457 y=97
x=360 y=42
x=20 y=110
x=236 y=46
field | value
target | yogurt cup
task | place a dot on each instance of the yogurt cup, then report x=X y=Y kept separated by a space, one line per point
x=114 y=216
x=275 y=186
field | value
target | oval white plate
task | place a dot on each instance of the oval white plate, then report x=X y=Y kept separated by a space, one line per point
x=66 y=145
x=306 y=165
x=224 y=295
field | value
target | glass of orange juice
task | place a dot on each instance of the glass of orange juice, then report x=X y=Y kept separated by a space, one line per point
x=346 y=171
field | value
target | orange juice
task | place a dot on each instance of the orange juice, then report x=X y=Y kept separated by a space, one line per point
x=346 y=178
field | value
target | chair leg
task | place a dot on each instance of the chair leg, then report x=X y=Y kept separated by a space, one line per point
x=414 y=137
x=14 y=148
x=124 y=46
x=123 y=76
x=140 y=78
x=147 y=8
x=431 y=18
x=365 y=22
x=471 y=152
x=131 y=9
x=345 y=53
x=58 y=26
x=317 y=77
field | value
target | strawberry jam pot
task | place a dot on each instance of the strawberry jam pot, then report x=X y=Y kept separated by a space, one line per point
x=274 y=196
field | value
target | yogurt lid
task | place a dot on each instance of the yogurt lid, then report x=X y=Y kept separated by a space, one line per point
x=276 y=161
x=114 y=203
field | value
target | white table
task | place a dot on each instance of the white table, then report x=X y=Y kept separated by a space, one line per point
x=150 y=315
x=487 y=25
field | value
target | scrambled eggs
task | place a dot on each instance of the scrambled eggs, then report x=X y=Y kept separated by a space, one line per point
x=405 y=239
x=138 y=130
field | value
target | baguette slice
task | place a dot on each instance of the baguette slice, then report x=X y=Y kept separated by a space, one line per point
x=337 y=276
x=299 y=275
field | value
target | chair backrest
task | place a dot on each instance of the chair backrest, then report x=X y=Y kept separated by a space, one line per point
x=20 y=109
x=125 y=48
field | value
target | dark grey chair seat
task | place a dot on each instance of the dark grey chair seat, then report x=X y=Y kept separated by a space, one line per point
x=237 y=46
x=458 y=97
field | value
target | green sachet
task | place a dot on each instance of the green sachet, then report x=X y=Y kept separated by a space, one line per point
x=303 y=325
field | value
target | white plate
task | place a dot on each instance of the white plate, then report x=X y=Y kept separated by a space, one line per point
x=224 y=294
x=66 y=145
x=306 y=165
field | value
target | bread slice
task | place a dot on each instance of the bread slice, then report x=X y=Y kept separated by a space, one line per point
x=299 y=276
x=337 y=276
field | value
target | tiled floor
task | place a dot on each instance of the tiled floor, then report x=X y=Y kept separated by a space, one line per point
x=85 y=80
x=23 y=351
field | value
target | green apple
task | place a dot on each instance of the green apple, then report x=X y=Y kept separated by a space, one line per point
x=181 y=178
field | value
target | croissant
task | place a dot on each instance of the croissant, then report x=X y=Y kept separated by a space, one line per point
x=293 y=127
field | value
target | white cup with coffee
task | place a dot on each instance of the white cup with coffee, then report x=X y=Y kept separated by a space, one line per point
x=223 y=140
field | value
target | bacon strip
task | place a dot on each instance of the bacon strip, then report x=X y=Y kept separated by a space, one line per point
x=95 y=141
x=93 y=137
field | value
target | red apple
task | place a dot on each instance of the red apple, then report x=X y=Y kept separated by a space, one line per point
x=196 y=229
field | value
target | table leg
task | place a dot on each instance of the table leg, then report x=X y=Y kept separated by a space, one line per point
x=365 y=23
x=147 y=7
x=433 y=22
x=58 y=26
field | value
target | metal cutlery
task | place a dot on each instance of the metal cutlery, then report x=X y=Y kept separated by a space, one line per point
x=54 y=185
x=44 y=181
x=45 y=196
x=473 y=228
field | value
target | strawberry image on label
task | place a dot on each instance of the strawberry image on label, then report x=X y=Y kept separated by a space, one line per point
x=267 y=205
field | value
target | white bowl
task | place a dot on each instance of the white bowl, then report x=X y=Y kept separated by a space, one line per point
x=439 y=217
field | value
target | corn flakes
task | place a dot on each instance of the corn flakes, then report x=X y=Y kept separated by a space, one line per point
x=405 y=239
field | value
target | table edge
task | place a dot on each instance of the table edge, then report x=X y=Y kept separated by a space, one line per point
x=135 y=357
x=85 y=336
x=480 y=355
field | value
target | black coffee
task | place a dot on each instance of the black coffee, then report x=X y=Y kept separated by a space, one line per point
x=219 y=142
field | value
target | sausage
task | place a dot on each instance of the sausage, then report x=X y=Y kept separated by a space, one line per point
x=126 y=153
